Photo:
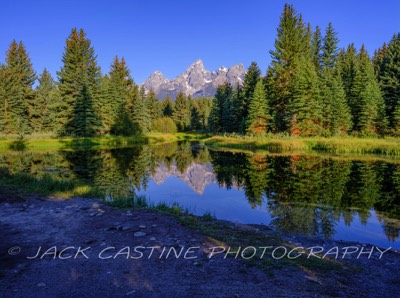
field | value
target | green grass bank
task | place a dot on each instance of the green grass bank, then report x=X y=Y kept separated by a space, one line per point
x=47 y=142
x=334 y=145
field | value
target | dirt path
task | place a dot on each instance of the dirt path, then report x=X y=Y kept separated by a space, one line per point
x=35 y=222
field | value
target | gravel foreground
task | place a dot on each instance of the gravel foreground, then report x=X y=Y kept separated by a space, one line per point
x=84 y=247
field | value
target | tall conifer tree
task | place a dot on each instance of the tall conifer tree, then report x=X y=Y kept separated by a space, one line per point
x=119 y=83
x=216 y=124
x=389 y=78
x=251 y=78
x=305 y=108
x=182 y=112
x=258 y=117
x=330 y=49
x=153 y=105
x=369 y=116
x=86 y=122
x=316 y=48
x=12 y=117
x=21 y=79
x=168 y=107
x=79 y=70
x=230 y=115
x=140 y=114
x=44 y=94
x=336 y=109
x=348 y=67
x=336 y=112
x=379 y=59
x=289 y=45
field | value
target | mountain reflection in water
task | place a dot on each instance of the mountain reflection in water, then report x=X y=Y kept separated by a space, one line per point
x=299 y=194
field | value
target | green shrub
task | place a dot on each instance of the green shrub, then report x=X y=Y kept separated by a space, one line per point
x=164 y=125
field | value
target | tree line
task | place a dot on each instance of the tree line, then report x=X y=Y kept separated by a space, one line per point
x=83 y=102
x=311 y=88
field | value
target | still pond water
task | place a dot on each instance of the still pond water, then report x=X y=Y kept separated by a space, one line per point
x=299 y=194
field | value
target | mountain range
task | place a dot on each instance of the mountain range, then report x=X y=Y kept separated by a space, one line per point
x=196 y=81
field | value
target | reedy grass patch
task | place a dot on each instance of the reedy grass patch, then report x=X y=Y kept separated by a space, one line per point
x=338 y=145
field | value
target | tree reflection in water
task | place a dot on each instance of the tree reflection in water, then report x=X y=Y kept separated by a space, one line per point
x=303 y=194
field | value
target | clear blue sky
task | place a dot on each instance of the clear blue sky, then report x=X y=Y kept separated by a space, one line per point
x=169 y=35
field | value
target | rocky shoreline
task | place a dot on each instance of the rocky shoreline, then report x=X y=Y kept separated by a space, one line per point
x=82 y=247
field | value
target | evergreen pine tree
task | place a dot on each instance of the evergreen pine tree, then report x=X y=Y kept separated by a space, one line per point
x=85 y=122
x=20 y=81
x=195 y=120
x=215 y=124
x=168 y=107
x=51 y=121
x=390 y=82
x=330 y=49
x=291 y=42
x=28 y=77
x=251 y=78
x=269 y=87
x=201 y=109
x=141 y=118
x=3 y=99
x=305 y=108
x=79 y=69
x=190 y=103
x=336 y=109
x=118 y=83
x=43 y=97
x=336 y=112
x=181 y=114
x=371 y=102
x=230 y=114
x=11 y=97
x=379 y=59
x=124 y=122
x=12 y=56
x=142 y=94
x=316 y=48
x=347 y=63
x=307 y=40
x=367 y=99
x=396 y=119
x=18 y=61
x=153 y=105
x=258 y=116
